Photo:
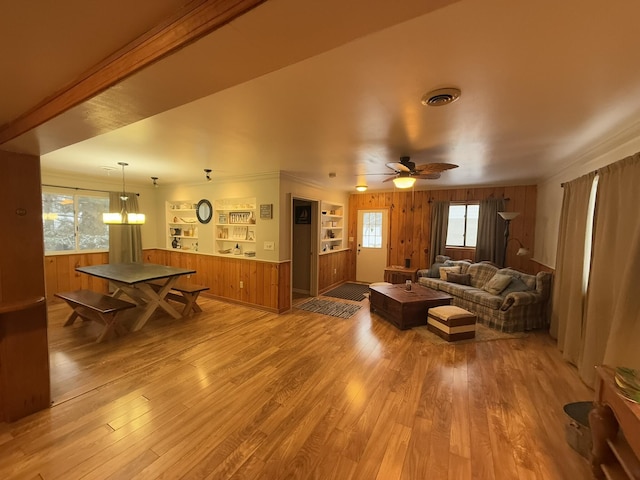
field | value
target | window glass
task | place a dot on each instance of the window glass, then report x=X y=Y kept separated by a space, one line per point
x=372 y=230
x=63 y=215
x=93 y=234
x=463 y=225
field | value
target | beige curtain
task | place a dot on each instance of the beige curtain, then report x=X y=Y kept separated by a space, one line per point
x=612 y=334
x=439 y=225
x=568 y=295
x=490 y=243
x=125 y=241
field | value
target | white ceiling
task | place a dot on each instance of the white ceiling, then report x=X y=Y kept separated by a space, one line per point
x=309 y=88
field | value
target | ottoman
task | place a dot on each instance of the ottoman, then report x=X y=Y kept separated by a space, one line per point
x=451 y=323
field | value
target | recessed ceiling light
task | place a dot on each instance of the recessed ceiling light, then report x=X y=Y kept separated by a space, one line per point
x=441 y=96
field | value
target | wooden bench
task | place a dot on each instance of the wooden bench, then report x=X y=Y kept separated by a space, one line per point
x=183 y=292
x=99 y=307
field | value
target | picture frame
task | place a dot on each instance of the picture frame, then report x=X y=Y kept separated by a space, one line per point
x=222 y=218
x=303 y=215
x=266 y=211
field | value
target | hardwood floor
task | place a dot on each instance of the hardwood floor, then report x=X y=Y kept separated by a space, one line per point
x=239 y=393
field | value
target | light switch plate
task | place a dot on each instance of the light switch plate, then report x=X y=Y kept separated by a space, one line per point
x=269 y=245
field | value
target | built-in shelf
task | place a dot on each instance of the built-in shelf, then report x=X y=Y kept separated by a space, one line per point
x=181 y=218
x=331 y=226
x=235 y=226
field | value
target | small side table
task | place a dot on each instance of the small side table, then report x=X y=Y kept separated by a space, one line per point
x=397 y=274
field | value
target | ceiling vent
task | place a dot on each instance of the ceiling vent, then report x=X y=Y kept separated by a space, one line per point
x=441 y=96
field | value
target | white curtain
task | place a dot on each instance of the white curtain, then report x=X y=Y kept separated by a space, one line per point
x=125 y=241
x=601 y=325
x=612 y=334
x=567 y=313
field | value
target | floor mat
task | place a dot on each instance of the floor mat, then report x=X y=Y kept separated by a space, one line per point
x=349 y=291
x=329 y=307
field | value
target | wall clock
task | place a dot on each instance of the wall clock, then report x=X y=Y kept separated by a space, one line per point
x=204 y=211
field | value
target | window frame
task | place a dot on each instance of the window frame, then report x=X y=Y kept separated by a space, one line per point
x=76 y=195
x=464 y=235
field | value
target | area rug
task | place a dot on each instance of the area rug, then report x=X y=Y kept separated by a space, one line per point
x=483 y=334
x=329 y=307
x=349 y=291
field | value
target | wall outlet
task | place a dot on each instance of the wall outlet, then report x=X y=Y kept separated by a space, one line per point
x=269 y=245
x=241 y=284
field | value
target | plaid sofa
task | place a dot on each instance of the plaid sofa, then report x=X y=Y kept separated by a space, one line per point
x=511 y=311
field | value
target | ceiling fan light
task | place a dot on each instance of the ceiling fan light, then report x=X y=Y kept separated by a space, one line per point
x=361 y=188
x=404 y=182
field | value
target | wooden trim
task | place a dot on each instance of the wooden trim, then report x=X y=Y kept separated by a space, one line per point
x=193 y=21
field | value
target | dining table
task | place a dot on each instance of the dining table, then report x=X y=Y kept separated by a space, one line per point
x=132 y=279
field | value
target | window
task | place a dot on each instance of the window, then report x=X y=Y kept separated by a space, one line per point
x=74 y=222
x=463 y=225
x=372 y=230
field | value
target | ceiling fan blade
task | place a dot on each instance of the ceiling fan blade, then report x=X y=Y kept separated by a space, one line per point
x=428 y=176
x=398 y=167
x=435 y=167
x=388 y=179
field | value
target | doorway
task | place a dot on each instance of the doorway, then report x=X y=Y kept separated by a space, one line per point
x=373 y=239
x=304 y=248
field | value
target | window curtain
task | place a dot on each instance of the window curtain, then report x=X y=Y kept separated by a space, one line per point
x=490 y=242
x=439 y=225
x=612 y=333
x=568 y=296
x=125 y=241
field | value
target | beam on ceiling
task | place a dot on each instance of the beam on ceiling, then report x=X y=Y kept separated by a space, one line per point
x=195 y=20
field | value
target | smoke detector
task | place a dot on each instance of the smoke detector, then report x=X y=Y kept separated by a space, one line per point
x=440 y=97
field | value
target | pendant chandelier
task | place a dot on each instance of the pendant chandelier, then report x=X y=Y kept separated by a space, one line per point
x=123 y=217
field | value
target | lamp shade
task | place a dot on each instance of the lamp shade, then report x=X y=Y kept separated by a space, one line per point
x=508 y=215
x=118 y=218
x=404 y=182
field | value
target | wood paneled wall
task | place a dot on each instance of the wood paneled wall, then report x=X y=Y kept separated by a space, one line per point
x=410 y=229
x=333 y=269
x=265 y=285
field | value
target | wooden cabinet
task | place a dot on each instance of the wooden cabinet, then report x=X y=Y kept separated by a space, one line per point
x=400 y=274
x=331 y=227
x=182 y=225
x=615 y=427
x=236 y=232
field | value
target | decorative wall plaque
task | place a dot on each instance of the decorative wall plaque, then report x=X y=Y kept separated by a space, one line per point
x=266 y=211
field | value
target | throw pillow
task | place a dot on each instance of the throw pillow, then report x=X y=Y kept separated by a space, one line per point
x=445 y=270
x=459 y=278
x=516 y=285
x=497 y=284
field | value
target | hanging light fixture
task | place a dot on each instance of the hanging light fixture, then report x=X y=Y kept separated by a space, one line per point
x=155 y=181
x=404 y=180
x=207 y=174
x=123 y=217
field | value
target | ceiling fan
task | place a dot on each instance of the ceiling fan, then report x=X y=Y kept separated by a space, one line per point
x=406 y=172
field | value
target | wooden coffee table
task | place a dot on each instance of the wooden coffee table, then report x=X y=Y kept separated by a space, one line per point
x=405 y=308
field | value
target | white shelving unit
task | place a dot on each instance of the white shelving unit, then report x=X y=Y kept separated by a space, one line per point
x=332 y=227
x=182 y=225
x=236 y=226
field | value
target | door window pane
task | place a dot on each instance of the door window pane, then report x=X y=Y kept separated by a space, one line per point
x=372 y=230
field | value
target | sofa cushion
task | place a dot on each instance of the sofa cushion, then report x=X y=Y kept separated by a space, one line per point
x=481 y=297
x=497 y=283
x=463 y=264
x=445 y=270
x=460 y=278
x=434 y=270
x=528 y=280
x=481 y=273
x=516 y=285
x=429 y=282
x=454 y=289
